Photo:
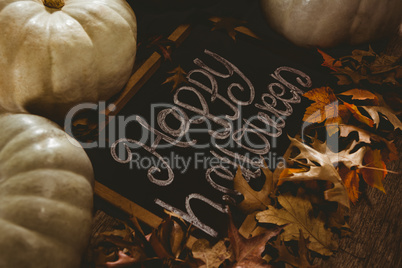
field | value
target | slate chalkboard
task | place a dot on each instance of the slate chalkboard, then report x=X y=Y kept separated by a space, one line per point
x=179 y=149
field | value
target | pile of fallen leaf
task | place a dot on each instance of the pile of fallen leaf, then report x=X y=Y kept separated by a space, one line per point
x=302 y=208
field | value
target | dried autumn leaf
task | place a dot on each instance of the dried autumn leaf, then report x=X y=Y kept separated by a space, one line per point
x=350 y=156
x=288 y=172
x=228 y=25
x=375 y=111
x=214 y=256
x=178 y=77
x=160 y=44
x=359 y=54
x=337 y=219
x=248 y=251
x=169 y=239
x=329 y=61
x=101 y=255
x=358 y=115
x=351 y=180
x=390 y=153
x=297 y=214
x=126 y=234
x=253 y=200
x=325 y=105
x=125 y=239
x=320 y=167
x=374 y=170
x=361 y=94
x=364 y=65
x=123 y=261
x=332 y=124
x=300 y=261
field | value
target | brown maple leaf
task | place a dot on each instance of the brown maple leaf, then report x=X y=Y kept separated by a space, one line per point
x=178 y=77
x=228 y=24
x=303 y=260
x=248 y=252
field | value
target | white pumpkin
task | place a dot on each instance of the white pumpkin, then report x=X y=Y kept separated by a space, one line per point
x=52 y=58
x=46 y=194
x=326 y=23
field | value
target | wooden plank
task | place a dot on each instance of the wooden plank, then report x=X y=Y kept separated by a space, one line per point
x=127 y=205
x=132 y=208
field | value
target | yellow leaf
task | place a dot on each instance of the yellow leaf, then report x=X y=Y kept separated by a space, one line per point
x=325 y=105
x=297 y=214
x=374 y=170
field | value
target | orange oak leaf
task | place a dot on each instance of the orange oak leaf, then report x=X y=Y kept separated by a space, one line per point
x=358 y=115
x=374 y=170
x=329 y=61
x=178 y=77
x=361 y=94
x=325 y=105
x=351 y=180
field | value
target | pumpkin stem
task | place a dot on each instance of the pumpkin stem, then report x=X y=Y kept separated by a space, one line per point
x=58 y=4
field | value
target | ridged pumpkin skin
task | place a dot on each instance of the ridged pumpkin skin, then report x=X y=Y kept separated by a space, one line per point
x=52 y=59
x=327 y=23
x=46 y=195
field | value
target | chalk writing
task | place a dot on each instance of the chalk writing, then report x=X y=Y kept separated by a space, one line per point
x=273 y=106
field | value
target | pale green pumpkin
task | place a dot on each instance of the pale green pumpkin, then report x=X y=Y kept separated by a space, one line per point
x=46 y=194
x=326 y=23
x=57 y=54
